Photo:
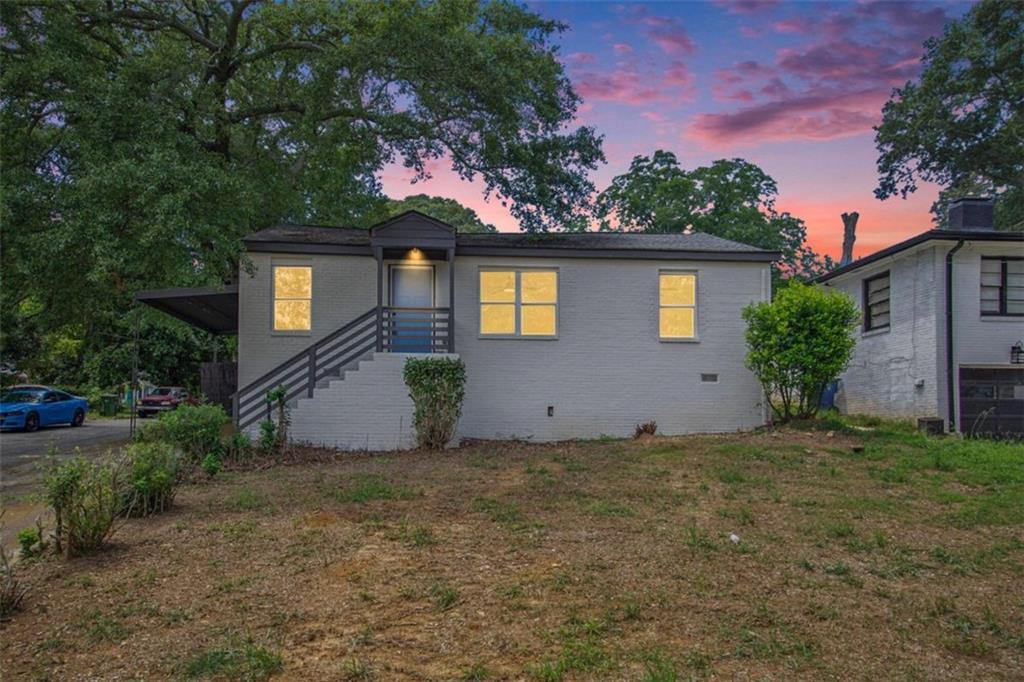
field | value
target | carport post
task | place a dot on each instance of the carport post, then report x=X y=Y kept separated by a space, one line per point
x=135 y=375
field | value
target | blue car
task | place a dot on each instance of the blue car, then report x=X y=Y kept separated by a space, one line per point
x=29 y=407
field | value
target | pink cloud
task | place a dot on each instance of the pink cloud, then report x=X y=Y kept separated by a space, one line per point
x=667 y=33
x=812 y=115
x=653 y=117
x=746 y=6
x=622 y=48
x=678 y=75
x=623 y=85
x=580 y=58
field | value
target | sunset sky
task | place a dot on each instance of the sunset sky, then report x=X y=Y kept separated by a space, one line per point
x=792 y=87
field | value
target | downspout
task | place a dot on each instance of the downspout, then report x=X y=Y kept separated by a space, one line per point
x=950 y=380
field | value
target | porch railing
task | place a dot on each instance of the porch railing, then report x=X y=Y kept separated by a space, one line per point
x=384 y=329
x=415 y=330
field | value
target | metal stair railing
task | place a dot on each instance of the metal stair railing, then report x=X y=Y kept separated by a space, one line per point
x=300 y=373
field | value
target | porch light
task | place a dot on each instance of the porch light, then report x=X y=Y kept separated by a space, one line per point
x=415 y=254
x=1017 y=353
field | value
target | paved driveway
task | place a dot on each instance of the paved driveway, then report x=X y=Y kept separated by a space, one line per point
x=20 y=453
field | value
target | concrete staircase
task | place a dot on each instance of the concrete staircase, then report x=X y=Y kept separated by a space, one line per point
x=366 y=408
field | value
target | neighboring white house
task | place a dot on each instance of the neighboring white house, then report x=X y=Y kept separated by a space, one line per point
x=902 y=366
x=569 y=335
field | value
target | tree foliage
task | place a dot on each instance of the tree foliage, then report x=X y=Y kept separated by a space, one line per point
x=962 y=123
x=731 y=198
x=142 y=140
x=462 y=218
x=798 y=343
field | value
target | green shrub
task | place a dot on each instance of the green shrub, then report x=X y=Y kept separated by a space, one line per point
x=238 y=447
x=87 y=498
x=194 y=429
x=268 y=435
x=211 y=464
x=437 y=387
x=31 y=542
x=12 y=591
x=278 y=399
x=797 y=344
x=155 y=469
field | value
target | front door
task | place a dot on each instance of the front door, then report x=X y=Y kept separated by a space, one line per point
x=412 y=286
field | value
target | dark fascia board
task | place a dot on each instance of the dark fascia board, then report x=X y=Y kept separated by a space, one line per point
x=531 y=252
x=626 y=254
x=406 y=214
x=305 y=248
x=147 y=294
x=937 y=235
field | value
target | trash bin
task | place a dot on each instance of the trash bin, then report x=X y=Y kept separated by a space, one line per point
x=109 y=405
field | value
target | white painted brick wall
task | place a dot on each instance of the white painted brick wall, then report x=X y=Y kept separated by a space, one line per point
x=606 y=371
x=368 y=408
x=880 y=378
x=888 y=363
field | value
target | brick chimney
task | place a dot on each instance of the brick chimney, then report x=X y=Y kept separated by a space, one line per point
x=849 y=236
x=971 y=214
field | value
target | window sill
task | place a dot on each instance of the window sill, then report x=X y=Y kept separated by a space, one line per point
x=506 y=337
x=694 y=339
x=875 y=332
x=296 y=333
x=1002 y=318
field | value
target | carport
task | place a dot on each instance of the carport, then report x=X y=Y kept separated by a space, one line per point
x=212 y=309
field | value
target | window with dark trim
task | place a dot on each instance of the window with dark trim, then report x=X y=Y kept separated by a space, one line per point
x=876 y=302
x=1002 y=286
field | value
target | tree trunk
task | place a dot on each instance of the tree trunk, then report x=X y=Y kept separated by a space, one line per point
x=849 y=236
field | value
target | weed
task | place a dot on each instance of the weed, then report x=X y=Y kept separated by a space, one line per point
x=368 y=487
x=236 y=659
x=445 y=596
x=659 y=668
x=247 y=500
x=698 y=541
x=610 y=508
x=477 y=673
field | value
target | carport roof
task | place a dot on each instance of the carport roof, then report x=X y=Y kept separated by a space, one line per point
x=214 y=309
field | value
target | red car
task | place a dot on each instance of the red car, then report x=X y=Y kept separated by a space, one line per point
x=164 y=398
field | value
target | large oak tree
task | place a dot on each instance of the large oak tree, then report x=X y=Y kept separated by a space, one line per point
x=142 y=139
x=731 y=198
x=961 y=124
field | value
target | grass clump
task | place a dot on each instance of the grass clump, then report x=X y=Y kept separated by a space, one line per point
x=369 y=487
x=234 y=659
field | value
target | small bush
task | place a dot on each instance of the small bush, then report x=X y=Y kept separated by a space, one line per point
x=194 y=429
x=31 y=541
x=268 y=435
x=211 y=464
x=155 y=469
x=797 y=344
x=278 y=399
x=87 y=498
x=238 y=448
x=12 y=592
x=437 y=387
x=646 y=429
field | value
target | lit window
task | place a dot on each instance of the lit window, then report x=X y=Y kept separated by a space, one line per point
x=518 y=302
x=293 y=298
x=677 y=305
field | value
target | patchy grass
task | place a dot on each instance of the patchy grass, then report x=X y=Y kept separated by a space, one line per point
x=753 y=556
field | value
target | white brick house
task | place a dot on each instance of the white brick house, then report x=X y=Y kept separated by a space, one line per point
x=902 y=366
x=563 y=335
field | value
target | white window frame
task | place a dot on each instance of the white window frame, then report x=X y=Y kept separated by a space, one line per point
x=518 y=303
x=696 y=307
x=274 y=265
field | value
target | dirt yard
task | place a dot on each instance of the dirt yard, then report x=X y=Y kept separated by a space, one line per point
x=856 y=555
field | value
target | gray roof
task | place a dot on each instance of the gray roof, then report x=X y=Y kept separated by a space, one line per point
x=587 y=241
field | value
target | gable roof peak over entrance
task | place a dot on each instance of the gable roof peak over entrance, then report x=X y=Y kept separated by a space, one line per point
x=412 y=229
